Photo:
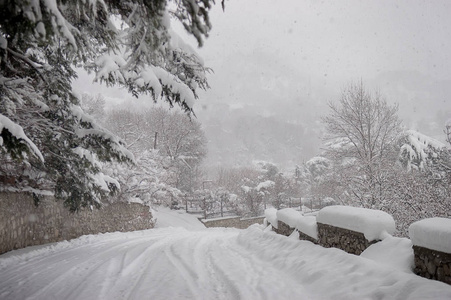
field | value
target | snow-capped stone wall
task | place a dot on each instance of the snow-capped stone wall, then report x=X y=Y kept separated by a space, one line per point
x=348 y=228
x=234 y=222
x=23 y=224
x=431 y=240
x=246 y=222
x=373 y=224
x=352 y=229
x=222 y=222
x=287 y=220
x=286 y=230
x=347 y=240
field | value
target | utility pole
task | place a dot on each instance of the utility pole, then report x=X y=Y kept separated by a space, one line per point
x=155 y=141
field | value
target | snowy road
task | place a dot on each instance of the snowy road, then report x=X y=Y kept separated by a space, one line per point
x=175 y=263
x=155 y=264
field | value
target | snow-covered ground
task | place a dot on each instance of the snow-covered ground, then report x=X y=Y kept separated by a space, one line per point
x=166 y=217
x=196 y=263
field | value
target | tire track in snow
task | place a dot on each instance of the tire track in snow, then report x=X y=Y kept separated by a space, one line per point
x=207 y=264
x=123 y=267
x=211 y=278
x=80 y=272
x=76 y=265
x=226 y=284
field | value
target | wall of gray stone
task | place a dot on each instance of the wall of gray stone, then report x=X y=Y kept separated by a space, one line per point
x=347 y=240
x=432 y=264
x=245 y=223
x=234 y=222
x=286 y=230
x=305 y=237
x=23 y=224
x=283 y=229
x=429 y=263
x=331 y=236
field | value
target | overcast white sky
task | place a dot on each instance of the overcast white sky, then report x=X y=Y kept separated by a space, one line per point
x=333 y=41
x=337 y=38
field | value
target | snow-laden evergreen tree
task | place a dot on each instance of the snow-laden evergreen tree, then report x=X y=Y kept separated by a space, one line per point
x=421 y=152
x=129 y=43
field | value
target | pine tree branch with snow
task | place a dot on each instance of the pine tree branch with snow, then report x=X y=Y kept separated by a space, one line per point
x=126 y=43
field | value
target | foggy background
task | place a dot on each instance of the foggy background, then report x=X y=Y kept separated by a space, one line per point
x=277 y=64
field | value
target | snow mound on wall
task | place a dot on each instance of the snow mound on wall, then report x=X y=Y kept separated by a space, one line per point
x=393 y=252
x=289 y=216
x=295 y=219
x=271 y=216
x=374 y=224
x=308 y=226
x=432 y=233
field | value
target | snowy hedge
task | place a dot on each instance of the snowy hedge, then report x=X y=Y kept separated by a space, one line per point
x=432 y=233
x=374 y=224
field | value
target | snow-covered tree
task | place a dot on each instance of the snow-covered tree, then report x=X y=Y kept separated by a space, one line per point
x=363 y=130
x=420 y=151
x=127 y=43
x=319 y=182
x=447 y=131
x=180 y=141
x=145 y=181
x=94 y=105
x=286 y=192
x=416 y=184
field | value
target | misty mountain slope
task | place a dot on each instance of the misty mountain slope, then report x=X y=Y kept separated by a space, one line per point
x=261 y=112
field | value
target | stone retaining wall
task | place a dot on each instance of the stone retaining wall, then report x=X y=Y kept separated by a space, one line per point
x=23 y=224
x=286 y=230
x=245 y=223
x=330 y=236
x=235 y=222
x=429 y=263
x=432 y=264
x=283 y=228
x=347 y=240
x=305 y=237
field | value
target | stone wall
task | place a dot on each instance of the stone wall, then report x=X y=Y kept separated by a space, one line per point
x=286 y=230
x=283 y=228
x=235 y=222
x=305 y=237
x=347 y=240
x=330 y=236
x=23 y=224
x=245 y=223
x=432 y=264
